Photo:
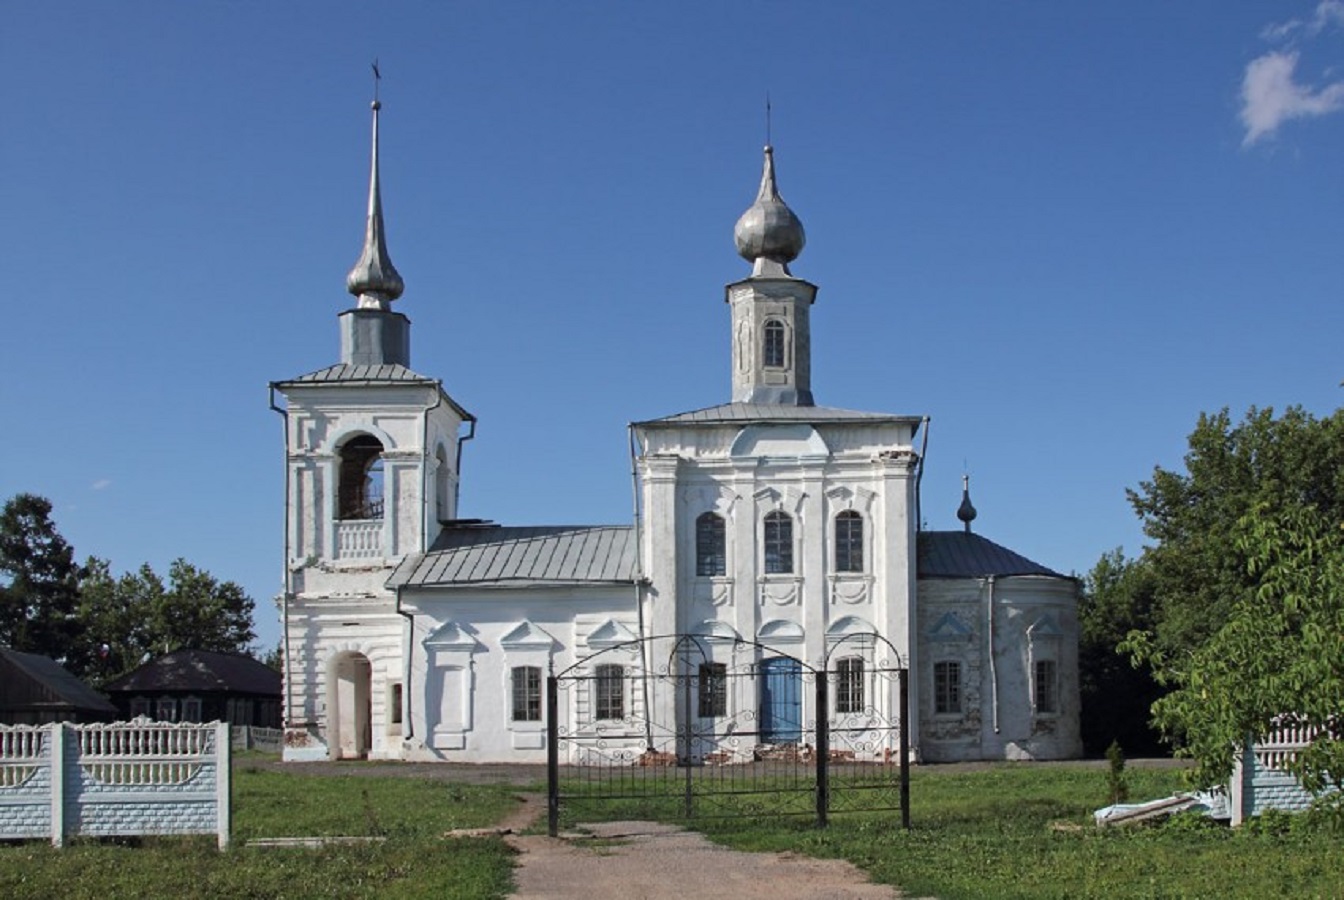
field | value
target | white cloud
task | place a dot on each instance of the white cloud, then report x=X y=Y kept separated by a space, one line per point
x=1271 y=97
x=1327 y=13
x=101 y=484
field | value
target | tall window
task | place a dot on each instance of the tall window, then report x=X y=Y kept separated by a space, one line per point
x=778 y=543
x=710 y=543
x=1047 y=693
x=849 y=685
x=360 y=495
x=527 y=694
x=849 y=542
x=609 y=702
x=946 y=687
x=166 y=710
x=713 y=693
x=394 y=708
x=774 y=343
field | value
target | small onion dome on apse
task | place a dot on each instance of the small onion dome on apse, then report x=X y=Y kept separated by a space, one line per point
x=769 y=235
x=966 y=512
x=374 y=280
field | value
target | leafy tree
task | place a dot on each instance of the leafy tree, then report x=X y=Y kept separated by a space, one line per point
x=1199 y=573
x=199 y=612
x=1116 y=694
x=40 y=594
x=1276 y=658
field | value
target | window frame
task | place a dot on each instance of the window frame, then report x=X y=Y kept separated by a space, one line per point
x=947 y=692
x=849 y=549
x=774 y=344
x=849 y=685
x=712 y=690
x=777 y=543
x=1045 y=690
x=525 y=694
x=609 y=693
x=711 y=545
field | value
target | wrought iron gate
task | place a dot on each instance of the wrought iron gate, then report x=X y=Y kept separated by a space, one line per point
x=695 y=726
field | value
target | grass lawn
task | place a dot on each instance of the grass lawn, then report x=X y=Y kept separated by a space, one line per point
x=1025 y=831
x=414 y=860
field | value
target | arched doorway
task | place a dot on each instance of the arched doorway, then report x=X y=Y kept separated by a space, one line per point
x=349 y=706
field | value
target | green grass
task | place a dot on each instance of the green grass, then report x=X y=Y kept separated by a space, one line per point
x=414 y=860
x=1025 y=831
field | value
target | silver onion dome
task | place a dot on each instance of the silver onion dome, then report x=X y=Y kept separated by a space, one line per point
x=768 y=234
x=966 y=512
x=374 y=280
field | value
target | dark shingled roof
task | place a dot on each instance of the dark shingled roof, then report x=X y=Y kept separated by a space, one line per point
x=200 y=670
x=772 y=412
x=960 y=554
x=53 y=676
x=542 y=554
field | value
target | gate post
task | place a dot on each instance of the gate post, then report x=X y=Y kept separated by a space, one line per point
x=823 y=749
x=905 y=748
x=552 y=757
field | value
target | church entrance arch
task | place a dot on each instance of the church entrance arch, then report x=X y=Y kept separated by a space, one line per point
x=715 y=726
x=350 y=706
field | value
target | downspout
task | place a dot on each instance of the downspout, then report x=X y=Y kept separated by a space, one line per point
x=408 y=723
x=285 y=594
x=639 y=585
x=919 y=475
x=993 y=668
x=457 y=465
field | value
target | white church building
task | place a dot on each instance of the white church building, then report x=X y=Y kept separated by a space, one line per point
x=772 y=528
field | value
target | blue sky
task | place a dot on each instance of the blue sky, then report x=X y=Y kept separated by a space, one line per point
x=1061 y=230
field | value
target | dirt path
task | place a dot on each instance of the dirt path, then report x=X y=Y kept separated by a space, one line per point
x=651 y=861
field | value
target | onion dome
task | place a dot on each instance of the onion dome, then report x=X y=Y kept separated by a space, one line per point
x=374 y=280
x=966 y=512
x=769 y=235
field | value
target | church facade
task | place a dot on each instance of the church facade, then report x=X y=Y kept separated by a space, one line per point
x=774 y=530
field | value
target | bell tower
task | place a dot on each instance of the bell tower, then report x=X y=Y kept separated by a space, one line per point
x=772 y=342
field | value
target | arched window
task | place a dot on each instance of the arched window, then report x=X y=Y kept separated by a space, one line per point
x=849 y=685
x=773 y=354
x=360 y=495
x=710 y=543
x=849 y=542
x=609 y=690
x=778 y=543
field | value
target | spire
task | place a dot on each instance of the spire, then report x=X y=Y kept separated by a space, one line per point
x=966 y=512
x=769 y=235
x=374 y=280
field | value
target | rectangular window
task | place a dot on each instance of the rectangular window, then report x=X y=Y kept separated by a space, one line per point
x=527 y=694
x=394 y=708
x=778 y=544
x=849 y=685
x=946 y=688
x=713 y=690
x=609 y=687
x=166 y=710
x=1047 y=695
x=710 y=543
x=191 y=709
x=773 y=356
x=849 y=542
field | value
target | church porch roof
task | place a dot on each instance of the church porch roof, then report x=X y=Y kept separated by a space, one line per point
x=492 y=555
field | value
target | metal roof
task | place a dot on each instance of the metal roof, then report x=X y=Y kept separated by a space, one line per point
x=961 y=554
x=767 y=412
x=200 y=670
x=542 y=554
x=344 y=373
x=57 y=681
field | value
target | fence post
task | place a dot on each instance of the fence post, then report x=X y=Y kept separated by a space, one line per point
x=684 y=728
x=552 y=757
x=56 y=759
x=223 y=783
x=823 y=750
x=905 y=748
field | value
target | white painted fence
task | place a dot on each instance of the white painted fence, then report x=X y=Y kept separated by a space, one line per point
x=256 y=737
x=119 y=779
x=1259 y=781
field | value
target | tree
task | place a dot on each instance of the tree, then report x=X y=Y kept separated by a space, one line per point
x=40 y=594
x=1116 y=694
x=1276 y=659
x=1199 y=574
x=199 y=612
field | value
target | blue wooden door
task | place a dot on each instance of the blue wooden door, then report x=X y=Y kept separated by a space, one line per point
x=781 y=701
